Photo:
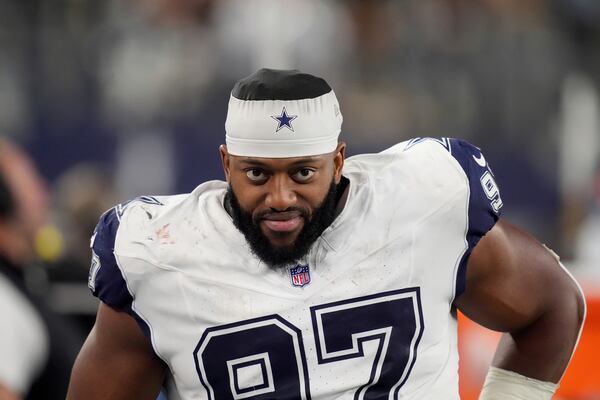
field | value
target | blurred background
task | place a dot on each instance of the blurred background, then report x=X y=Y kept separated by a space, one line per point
x=117 y=98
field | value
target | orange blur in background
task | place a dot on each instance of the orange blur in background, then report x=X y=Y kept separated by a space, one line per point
x=582 y=379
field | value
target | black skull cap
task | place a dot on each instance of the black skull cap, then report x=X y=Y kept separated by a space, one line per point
x=280 y=84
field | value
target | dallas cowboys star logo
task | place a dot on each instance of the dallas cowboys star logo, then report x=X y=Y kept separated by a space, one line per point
x=284 y=120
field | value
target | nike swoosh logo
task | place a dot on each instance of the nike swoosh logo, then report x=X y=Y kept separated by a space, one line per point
x=480 y=160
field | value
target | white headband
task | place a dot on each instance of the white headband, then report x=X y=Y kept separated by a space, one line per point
x=283 y=128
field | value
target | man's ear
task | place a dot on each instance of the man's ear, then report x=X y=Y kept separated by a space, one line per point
x=338 y=161
x=225 y=159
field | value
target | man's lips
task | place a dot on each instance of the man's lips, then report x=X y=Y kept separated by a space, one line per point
x=283 y=222
x=289 y=225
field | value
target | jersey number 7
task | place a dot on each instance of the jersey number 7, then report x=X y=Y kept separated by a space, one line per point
x=264 y=358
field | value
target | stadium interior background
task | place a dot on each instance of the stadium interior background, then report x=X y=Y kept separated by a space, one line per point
x=113 y=99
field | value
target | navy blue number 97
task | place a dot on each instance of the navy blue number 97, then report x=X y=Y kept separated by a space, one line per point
x=264 y=358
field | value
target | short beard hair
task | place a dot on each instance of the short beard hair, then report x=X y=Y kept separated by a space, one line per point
x=278 y=257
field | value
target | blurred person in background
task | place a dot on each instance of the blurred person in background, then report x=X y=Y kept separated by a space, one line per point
x=37 y=348
x=579 y=150
x=80 y=196
x=157 y=66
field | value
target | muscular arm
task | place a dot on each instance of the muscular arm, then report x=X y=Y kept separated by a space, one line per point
x=515 y=285
x=116 y=362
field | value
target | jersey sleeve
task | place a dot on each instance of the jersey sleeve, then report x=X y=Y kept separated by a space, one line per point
x=484 y=203
x=106 y=279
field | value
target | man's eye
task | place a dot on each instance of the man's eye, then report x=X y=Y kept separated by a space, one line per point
x=304 y=174
x=255 y=175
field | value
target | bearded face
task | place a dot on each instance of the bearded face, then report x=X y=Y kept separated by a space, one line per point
x=283 y=205
x=313 y=223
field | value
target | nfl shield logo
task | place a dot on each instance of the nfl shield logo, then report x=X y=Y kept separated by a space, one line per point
x=300 y=275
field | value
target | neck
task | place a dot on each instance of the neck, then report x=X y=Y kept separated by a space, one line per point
x=342 y=195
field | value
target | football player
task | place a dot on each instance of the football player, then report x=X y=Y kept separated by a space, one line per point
x=306 y=275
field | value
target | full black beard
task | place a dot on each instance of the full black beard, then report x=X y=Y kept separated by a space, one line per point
x=278 y=257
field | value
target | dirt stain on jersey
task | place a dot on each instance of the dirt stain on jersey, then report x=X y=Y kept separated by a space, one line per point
x=164 y=235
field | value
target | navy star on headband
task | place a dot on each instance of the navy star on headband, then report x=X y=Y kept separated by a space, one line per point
x=284 y=120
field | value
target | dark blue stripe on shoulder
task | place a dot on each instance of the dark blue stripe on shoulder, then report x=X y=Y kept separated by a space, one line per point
x=106 y=280
x=484 y=200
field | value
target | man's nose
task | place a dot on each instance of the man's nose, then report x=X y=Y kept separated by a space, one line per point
x=281 y=195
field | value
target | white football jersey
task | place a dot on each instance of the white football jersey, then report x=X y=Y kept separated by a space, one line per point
x=368 y=315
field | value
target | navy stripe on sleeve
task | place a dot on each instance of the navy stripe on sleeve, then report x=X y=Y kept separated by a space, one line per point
x=484 y=200
x=106 y=280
